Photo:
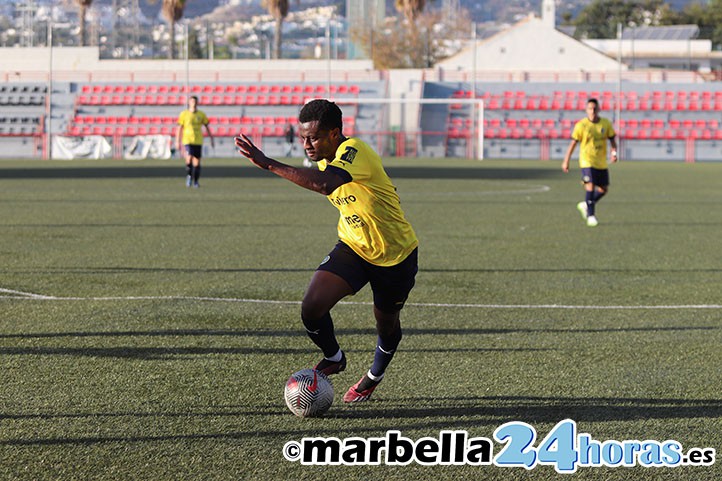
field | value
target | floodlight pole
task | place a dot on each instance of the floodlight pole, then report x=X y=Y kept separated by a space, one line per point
x=49 y=97
x=328 y=57
x=619 y=78
x=480 y=126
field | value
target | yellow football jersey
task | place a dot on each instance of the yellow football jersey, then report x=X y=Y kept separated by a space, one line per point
x=192 y=123
x=371 y=221
x=593 y=139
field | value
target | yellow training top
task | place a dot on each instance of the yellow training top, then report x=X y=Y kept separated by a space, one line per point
x=371 y=221
x=191 y=123
x=593 y=139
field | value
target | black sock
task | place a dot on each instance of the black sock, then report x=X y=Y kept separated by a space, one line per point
x=590 y=203
x=385 y=350
x=598 y=195
x=196 y=173
x=189 y=169
x=320 y=331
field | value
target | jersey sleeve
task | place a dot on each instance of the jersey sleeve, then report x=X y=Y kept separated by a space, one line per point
x=577 y=132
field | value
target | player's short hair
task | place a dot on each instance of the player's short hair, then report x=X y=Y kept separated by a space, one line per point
x=593 y=101
x=326 y=113
x=194 y=97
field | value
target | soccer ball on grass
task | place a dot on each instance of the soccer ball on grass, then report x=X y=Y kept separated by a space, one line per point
x=308 y=393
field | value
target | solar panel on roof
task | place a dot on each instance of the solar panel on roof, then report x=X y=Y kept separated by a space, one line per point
x=671 y=32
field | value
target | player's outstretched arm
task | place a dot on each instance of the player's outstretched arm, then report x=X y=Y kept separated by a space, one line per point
x=322 y=182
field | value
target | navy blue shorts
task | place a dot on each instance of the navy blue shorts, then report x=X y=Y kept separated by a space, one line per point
x=390 y=285
x=194 y=150
x=598 y=177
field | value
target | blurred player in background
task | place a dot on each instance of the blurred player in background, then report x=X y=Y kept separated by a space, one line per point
x=377 y=244
x=290 y=134
x=189 y=133
x=592 y=133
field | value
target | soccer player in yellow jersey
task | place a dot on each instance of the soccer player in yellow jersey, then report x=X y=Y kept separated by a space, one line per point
x=376 y=243
x=592 y=133
x=189 y=131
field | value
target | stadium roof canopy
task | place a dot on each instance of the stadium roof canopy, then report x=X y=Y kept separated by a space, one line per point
x=670 y=32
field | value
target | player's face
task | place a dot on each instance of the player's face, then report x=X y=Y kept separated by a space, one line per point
x=592 y=111
x=192 y=104
x=319 y=144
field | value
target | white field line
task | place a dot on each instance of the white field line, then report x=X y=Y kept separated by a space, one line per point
x=13 y=294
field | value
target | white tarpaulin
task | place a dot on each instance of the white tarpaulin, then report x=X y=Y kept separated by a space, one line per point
x=149 y=147
x=88 y=147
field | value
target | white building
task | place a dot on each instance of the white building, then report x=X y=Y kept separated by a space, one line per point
x=533 y=44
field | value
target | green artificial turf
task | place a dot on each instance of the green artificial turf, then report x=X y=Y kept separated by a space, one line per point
x=147 y=329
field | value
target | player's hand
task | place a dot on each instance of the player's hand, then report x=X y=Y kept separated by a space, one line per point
x=614 y=156
x=247 y=148
x=565 y=166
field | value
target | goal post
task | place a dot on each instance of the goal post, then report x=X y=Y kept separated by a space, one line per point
x=405 y=118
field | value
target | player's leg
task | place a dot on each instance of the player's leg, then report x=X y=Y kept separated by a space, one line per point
x=601 y=183
x=599 y=187
x=196 y=160
x=189 y=165
x=391 y=287
x=339 y=275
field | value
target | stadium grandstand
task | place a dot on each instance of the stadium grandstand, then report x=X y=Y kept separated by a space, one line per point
x=517 y=106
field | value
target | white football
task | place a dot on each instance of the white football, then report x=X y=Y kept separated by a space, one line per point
x=308 y=393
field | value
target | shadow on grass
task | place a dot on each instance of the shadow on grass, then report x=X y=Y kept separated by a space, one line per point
x=479 y=414
x=187 y=353
x=249 y=171
x=152 y=270
x=408 y=331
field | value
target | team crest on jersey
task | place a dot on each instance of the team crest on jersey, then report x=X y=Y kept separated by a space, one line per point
x=349 y=155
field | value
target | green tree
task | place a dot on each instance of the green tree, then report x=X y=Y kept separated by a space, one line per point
x=708 y=17
x=599 y=19
x=194 y=45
